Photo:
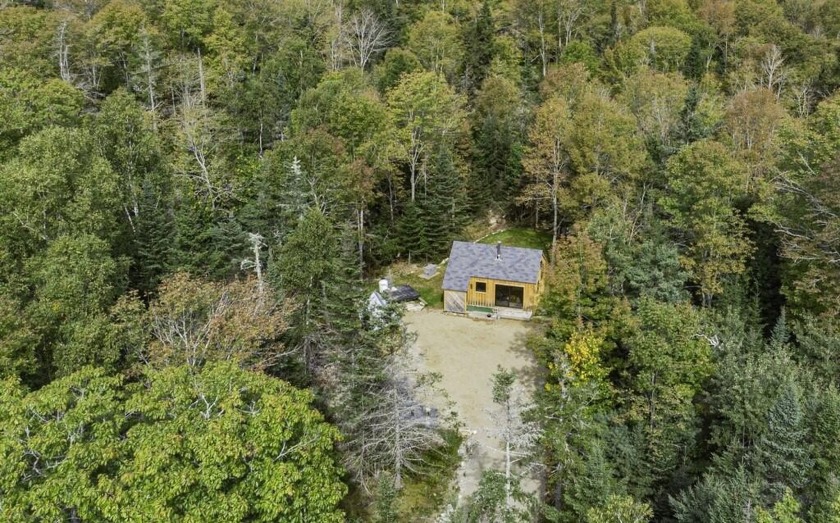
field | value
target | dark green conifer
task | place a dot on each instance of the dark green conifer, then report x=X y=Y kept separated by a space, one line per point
x=478 y=47
x=782 y=455
x=414 y=244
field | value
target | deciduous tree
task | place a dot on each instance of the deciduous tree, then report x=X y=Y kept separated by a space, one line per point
x=704 y=182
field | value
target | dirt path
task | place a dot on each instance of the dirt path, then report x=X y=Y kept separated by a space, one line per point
x=466 y=353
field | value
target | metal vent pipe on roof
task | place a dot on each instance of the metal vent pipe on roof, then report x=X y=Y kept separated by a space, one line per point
x=498 y=250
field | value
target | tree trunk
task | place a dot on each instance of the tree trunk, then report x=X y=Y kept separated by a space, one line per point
x=508 y=497
x=361 y=226
x=554 y=208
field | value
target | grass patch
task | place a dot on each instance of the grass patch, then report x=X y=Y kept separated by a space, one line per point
x=520 y=237
x=424 y=494
x=409 y=274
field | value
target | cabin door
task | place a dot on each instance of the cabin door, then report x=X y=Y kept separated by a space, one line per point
x=509 y=296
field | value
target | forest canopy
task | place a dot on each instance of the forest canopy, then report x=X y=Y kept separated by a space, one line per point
x=195 y=196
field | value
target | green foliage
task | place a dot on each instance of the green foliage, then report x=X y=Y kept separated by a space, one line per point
x=618 y=509
x=75 y=281
x=478 y=48
x=223 y=443
x=28 y=38
x=426 y=491
x=253 y=448
x=705 y=183
x=56 y=185
x=28 y=104
x=667 y=366
x=386 y=497
x=435 y=42
x=396 y=63
x=717 y=499
x=781 y=452
x=641 y=258
x=682 y=155
x=578 y=285
x=662 y=48
x=785 y=511
x=498 y=136
x=56 y=444
x=17 y=340
x=488 y=502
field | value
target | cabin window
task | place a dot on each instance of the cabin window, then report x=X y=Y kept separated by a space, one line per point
x=480 y=286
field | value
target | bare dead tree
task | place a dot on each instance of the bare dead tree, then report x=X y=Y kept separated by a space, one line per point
x=400 y=431
x=200 y=133
x=257 y=243
x=338 y=39
x=813 y=238
x=517 y=434
x=367 y=36
x=147 y=71
x=193 y=322
x=63 y=51
x=541 y=24
x=804 y=95
x=84 y=9
x=771 y=68
x=568 y=13
x=394 y=427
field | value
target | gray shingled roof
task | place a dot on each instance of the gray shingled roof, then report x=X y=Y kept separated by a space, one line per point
x=478 y=259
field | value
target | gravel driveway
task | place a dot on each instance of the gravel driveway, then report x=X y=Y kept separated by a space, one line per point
x=466 y=353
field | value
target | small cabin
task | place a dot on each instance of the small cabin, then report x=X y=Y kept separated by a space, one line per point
x=497 y=279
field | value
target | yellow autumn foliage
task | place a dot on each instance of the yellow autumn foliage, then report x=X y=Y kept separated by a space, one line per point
x=583 y=350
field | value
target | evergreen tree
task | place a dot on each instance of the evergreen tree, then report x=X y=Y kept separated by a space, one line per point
x=823 y=422
x=781 y=456
x=719 y=499
x=411 y=231
x=386 y=498
x=497 y=145
x=304 y=266
x=478 y=48
x=154 y=232
x=443 y=209
x=786 y=510
x=620 y=509
x=206 y=242
x=692 y=127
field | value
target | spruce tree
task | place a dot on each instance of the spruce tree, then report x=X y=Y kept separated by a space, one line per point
x=443 y=210
x=411 y=231
x=153 y=234
x=199 y=241
x=823 y=427
x=478 y=46
x=302 y=270
x=781 y=456
x=691 y=127
x=719 y=498
x=498 y=167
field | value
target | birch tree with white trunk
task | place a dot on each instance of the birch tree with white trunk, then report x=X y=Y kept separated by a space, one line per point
x=367 y=36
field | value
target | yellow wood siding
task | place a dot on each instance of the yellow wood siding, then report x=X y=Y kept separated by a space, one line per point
x=530 y=292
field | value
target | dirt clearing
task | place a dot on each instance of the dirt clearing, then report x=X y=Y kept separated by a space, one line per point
x=466 y=353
